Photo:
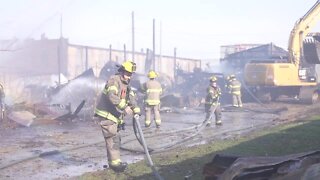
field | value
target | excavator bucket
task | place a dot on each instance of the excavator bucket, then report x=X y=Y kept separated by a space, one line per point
x=311 y=50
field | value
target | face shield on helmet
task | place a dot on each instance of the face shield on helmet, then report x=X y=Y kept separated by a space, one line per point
x=152 y=74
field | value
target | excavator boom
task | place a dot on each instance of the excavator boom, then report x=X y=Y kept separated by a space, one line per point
x=299 y=32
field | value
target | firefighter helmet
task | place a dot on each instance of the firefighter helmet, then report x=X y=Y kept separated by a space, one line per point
x=232 y=76
x=213 y=79
x=152 y=74
x=129 y=66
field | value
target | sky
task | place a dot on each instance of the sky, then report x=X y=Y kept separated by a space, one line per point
x=196 y=28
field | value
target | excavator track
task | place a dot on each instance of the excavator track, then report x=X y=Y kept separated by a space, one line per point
x=309 y=95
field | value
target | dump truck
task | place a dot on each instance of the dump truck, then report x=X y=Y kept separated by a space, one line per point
x=293 y=76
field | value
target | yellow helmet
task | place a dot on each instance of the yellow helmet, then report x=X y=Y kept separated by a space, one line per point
x=232 y=76
x=213 y=79
x=129 y=66
x=152 y=74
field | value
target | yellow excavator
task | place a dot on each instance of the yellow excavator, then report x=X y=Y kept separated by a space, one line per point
x=294 y=76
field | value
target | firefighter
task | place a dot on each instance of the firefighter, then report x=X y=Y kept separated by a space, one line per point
x=212 y=104
x=116 y=100
x=2 y=95
x=152 y=89
x=234 y=87
x=2 y=103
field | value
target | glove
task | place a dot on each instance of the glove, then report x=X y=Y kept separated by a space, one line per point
x=122 y=104
x=121 y=125
x=128 y=110
x=136 y=110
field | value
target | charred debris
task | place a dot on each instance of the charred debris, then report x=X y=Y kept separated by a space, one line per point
x=75 y=99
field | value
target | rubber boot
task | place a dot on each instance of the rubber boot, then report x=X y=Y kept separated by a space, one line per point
x=147 y=124
x=218 y=122
x=119 y=167
x=158 y=126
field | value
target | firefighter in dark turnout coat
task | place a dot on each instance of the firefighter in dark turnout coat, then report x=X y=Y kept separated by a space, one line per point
x=212 y=104
x=117 y=99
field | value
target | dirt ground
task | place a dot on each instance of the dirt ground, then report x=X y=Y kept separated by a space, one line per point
x=51 y=149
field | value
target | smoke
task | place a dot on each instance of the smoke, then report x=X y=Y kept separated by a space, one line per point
x=76 y=91
x=220 y=67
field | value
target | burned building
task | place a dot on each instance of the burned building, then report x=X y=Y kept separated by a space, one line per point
x=267 y=52
x=46 y=58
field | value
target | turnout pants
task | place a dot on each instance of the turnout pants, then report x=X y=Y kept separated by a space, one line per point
x=112 y=139
x=236 y=100
x=217 y=113
x=156 y=110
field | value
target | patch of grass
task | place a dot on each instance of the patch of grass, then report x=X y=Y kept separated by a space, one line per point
x=276 y=141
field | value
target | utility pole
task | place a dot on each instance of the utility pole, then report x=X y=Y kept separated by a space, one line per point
x=124 y=52
x=132 y=36
x=160 y=41
x=154 y=46
x=59 y=52
x=110 y=52
x=175 y=64
x=61 y=26
x=86 y=63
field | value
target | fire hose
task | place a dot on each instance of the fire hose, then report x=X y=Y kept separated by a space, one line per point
x=250 y=92
x=212 y=111
x=136 y=126
x=198 y=128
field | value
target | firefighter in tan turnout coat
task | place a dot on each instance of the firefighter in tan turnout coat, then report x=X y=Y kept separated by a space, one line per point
x=152 y=89
x=117 y=99
x=234 y=87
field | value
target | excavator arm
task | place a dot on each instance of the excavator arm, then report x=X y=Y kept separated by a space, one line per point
x=299 y=32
